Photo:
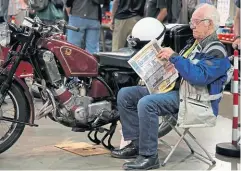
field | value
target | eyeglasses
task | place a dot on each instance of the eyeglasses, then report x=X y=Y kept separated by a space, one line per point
x=194 y=23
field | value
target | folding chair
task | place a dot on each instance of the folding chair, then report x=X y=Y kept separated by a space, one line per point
x=182 y=137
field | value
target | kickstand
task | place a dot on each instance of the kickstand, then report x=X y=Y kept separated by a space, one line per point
x=95 y=140
x=110 y=134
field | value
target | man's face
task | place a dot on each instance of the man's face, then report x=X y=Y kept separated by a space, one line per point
x=199 y=26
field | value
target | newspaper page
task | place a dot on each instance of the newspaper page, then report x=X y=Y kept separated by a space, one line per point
x=158 y=74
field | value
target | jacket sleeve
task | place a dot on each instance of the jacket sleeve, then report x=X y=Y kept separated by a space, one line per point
x=207 y=70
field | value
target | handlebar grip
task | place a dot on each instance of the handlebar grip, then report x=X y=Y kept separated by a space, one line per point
x=72 y=28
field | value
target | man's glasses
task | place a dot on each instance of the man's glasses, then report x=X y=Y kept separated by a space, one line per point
x=194 y=23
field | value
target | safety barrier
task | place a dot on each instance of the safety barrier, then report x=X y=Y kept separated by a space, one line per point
x=232 y=149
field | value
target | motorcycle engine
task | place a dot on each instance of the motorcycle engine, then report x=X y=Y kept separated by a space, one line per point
x=73 y=103
x=81 y=108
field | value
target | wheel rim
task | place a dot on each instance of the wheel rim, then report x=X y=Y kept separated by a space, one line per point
x=161 y=122
x=5 y=107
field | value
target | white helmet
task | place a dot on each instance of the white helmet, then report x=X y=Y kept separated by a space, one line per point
x=146 y=30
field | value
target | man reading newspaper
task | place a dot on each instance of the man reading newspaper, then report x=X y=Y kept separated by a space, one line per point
x=203 y=70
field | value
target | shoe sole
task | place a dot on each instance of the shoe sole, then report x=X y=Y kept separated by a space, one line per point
x=149 y=168
x=123 y=157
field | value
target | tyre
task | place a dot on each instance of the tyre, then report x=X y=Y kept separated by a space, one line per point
x=164 y=127
x=15 y=99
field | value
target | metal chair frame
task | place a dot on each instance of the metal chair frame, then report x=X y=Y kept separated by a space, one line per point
x=182 y=137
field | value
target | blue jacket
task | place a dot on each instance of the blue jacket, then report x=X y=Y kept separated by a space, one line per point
x=209 y=71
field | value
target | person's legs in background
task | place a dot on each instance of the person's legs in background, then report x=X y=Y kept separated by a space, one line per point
x=92 y=36
x=122 y=29
x=74 y=37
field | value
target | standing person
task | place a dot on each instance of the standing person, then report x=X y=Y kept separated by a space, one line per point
x=3 y=10
x=52 y=12
x=125 y=14
x=19 y=9
x=166 y=11
x=156 y=9
x=188 y=7
x=236 y=42
x=86 y=15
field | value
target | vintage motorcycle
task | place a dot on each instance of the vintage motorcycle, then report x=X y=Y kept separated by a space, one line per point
x=86 y=104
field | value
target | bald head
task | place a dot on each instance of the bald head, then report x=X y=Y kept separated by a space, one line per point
x=207 y=11
x=204 y=21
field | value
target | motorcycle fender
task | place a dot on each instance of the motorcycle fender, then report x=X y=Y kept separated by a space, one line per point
x=29 y=98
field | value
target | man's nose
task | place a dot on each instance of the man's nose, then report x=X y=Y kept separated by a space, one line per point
x=192 y=27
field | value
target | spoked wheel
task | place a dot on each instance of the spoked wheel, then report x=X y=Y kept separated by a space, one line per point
x=14 y=107
x=164 y=127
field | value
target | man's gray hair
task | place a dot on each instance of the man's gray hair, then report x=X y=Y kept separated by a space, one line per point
x=211 y=13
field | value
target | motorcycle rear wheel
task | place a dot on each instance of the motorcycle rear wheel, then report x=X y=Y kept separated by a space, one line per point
x=165 y=128
x=20 y=113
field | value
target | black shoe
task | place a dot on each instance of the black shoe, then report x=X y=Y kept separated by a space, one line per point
x=143 y=163
x=129 y=151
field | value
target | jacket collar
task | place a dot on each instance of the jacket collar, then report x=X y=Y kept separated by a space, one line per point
x=207 y=40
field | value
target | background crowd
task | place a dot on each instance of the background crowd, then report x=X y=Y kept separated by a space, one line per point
x=87 y=15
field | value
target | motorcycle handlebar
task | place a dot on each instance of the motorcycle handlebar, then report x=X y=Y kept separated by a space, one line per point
x=72 y=28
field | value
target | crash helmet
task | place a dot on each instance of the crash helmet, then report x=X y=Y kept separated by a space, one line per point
x=145 y=30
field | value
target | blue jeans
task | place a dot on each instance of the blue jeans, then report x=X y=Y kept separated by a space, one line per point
x=139 y=113
x=89 y=28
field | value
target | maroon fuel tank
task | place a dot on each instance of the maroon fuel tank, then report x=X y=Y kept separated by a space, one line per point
x=74 y=60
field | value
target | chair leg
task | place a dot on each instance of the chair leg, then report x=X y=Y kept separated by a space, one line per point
x=209 y=156
x=178 y=132
x=174 y=148
x=182 y=137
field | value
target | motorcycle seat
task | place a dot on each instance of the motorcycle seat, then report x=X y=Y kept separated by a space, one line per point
x=117 y=58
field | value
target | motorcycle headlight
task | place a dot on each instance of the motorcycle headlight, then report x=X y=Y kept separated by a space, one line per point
x=4 y=35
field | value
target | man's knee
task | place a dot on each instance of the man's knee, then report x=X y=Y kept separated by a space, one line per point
x=146 y=104
x=124 y=94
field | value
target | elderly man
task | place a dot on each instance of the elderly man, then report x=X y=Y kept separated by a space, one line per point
x=201 y=71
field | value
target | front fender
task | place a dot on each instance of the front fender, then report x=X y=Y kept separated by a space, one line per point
x=27 y=94
x=28 y=97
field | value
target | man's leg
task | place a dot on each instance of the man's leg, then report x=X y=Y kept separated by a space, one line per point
x=149 y=109
x=118 y=40
x=127 y=101
x=122 y=29
x=74 y=37
x=92 y=36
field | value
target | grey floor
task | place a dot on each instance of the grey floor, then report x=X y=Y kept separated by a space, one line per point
x=35 y=149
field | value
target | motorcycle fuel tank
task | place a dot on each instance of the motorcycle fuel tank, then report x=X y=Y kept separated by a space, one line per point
x=74 y=60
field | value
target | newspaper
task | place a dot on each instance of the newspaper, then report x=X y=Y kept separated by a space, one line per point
x=157 y=74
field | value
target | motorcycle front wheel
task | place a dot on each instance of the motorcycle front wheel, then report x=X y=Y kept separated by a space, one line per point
x=14 y=107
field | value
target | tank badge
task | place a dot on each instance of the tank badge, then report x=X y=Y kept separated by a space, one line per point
x=68 y=51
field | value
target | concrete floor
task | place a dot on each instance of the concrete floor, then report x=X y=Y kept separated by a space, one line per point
x=35 y=148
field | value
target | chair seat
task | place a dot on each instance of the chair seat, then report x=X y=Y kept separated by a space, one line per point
x=117 y=59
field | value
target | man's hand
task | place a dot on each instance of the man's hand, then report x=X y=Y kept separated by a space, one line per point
x=236 y=43
x=165 y=53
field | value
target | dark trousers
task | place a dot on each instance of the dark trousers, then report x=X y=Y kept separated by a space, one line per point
x=139 y=113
